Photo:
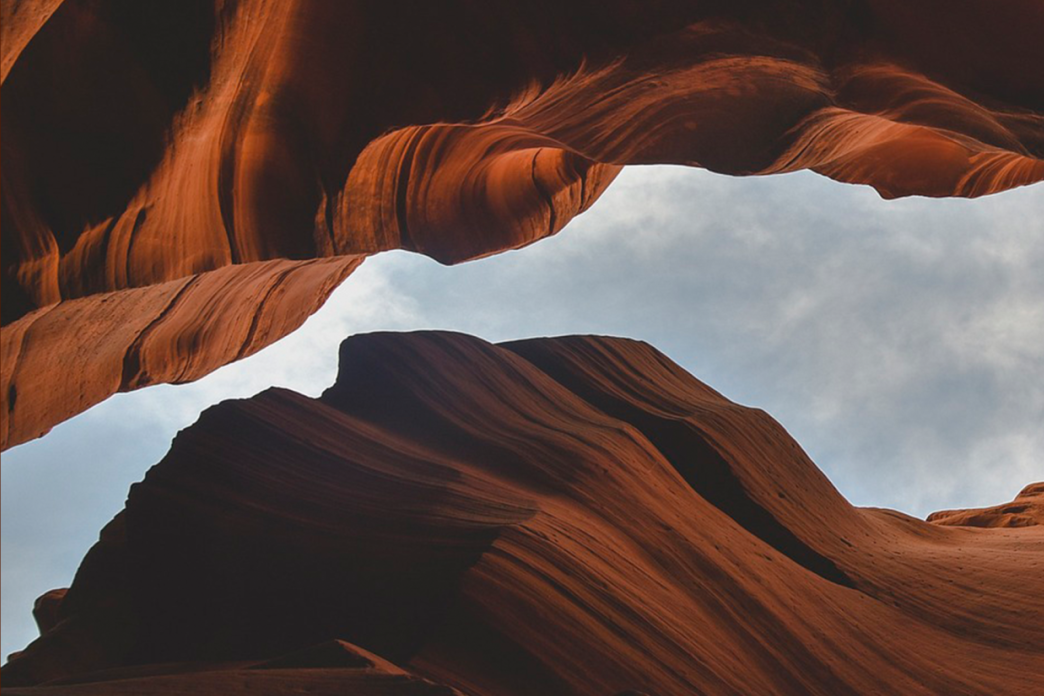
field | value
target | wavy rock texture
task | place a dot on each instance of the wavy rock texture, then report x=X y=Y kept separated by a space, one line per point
x=154 y=143
x=556 y=516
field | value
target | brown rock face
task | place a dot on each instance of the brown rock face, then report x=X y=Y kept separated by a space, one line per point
x=173 y=169
x=1027 y=510
x=574 y=516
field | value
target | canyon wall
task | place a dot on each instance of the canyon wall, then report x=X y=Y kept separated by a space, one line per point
x=185 y=181
x=572 y=516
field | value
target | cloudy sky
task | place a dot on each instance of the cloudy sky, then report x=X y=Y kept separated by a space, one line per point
x=900 y=342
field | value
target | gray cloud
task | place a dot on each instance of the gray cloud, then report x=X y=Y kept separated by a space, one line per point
x=900 y=342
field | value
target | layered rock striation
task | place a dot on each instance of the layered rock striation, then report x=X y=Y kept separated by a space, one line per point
x=555 y=516
x=184 y=181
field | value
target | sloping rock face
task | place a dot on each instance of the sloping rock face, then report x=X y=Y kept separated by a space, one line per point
x=556 y=516
x=1027 y=510
x=172 y=170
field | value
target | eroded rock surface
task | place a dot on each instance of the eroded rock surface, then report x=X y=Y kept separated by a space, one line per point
x=1027 y=510
x=572 y=516
x=150 y=146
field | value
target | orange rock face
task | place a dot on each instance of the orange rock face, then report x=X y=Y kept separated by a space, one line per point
x=150 y=146
x=1027 y=510
x=574 y=516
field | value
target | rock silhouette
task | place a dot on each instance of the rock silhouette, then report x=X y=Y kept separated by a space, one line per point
x=185 y=181
x=557 y=516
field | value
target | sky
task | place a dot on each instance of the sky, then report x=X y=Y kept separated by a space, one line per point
x=900 y=342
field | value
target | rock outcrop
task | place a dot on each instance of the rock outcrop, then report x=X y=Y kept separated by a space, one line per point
x=172 y=170
x=1027 y=510
x=557 y=516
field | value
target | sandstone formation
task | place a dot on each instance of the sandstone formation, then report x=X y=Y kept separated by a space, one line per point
x=172 y=170
x=554 y=516
x=1027 y=510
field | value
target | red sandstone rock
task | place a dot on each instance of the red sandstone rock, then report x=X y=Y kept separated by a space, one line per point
x=333 y=668
x=150 y=144
x=45 y=610
x=1027 y=510
x=558 y=516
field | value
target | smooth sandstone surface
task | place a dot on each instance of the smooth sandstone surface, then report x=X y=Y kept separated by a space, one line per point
x=555 y=516
x=185 y=181
x=1027 y=510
